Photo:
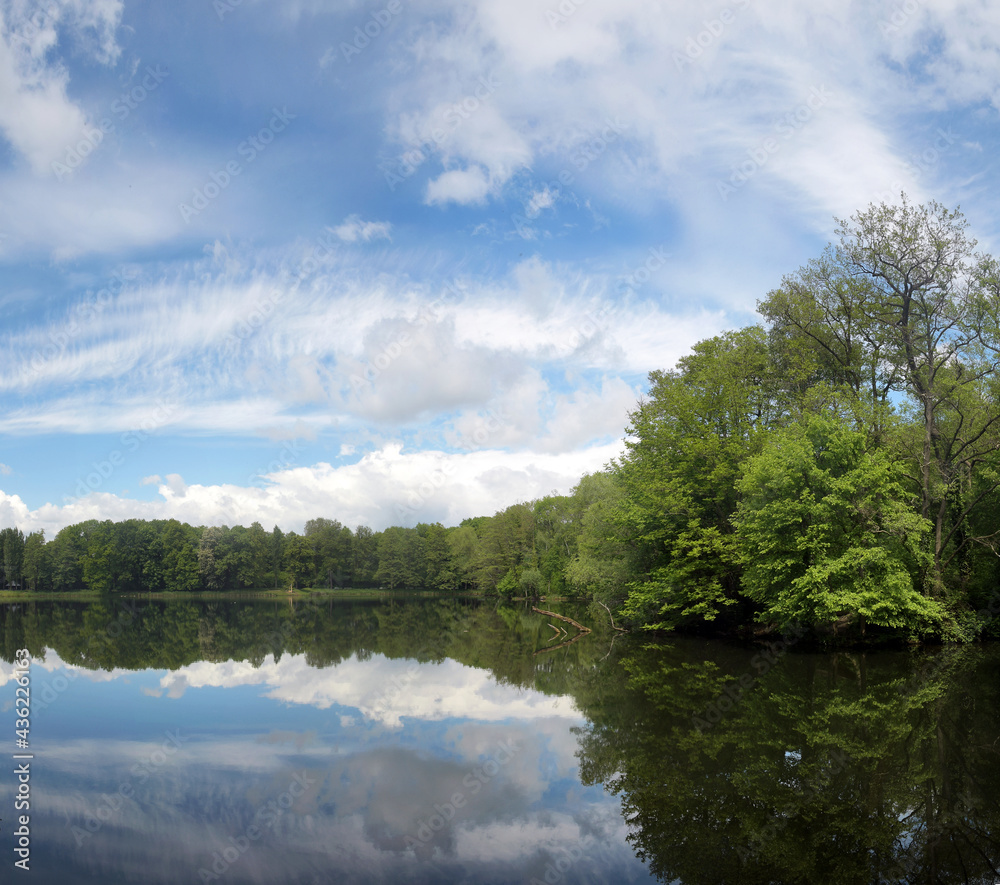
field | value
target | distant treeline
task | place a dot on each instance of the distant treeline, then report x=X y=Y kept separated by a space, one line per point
x=527 y=549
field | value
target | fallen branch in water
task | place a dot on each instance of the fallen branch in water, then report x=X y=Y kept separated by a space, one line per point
x=576 y=638
x=576 y=624
x=613 y=627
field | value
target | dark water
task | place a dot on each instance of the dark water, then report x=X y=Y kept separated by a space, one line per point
x=450 y=741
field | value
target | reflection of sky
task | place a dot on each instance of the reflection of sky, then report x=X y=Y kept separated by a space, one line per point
x=390 y=744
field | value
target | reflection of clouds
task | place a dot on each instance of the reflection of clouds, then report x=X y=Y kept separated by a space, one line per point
x=298 y=739
x=50 y=662
x=384 y=690
x=358 y=823
x=591 y=829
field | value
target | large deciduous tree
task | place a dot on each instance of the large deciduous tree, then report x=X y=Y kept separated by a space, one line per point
x=827 y=533
x=933 y=303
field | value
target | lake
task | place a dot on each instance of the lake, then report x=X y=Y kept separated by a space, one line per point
x=454 y=741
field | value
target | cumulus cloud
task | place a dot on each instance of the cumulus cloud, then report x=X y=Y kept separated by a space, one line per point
x=388 y=486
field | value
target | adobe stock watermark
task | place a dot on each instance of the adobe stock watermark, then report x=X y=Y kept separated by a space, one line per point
x=444 y=812
x=32 y=28
x=900 y=18
x=248 y=150
x=787 y=127
x=130 y=441
x=81 y=317
x=563 y=12
x=264 y=307
x=594 y=321
x=378 y=21
x=556 y=867
x=590 y=148
x=732 y=695
x=51 y=691
x=416 y=499
x=920 y=164
x=396 y=685
x=441 y=131
x=363 y=383
x=955 y=817
x=786 y=814
x=287 y=458
x=695 y=46
x=265 y=817
x=121 y=107
x=113 y=803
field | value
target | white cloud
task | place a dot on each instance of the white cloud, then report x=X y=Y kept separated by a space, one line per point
x=37 y=117
x=542 y=199
x=109 y=206
x=388 y=486
x=354 y=229
x=183 y=358
x=462 y=186
x=684 y=115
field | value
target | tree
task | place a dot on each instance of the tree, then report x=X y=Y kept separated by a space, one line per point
x=69 y=548
x=827 y=533
x=258 y=554
x=683 y=453
x=276 y=554
x=211 y=557
x=332 y=551
x=507 y=546
x=298 y=563
x=364 y=556
x=400 y=558
x=12 y=544
x=439 y=561
x=37 y=563
x=601 y=565
x=180 y=556
x=932 y=303
x=464 y=546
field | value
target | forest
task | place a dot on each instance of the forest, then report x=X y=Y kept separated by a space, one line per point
x=835 y=467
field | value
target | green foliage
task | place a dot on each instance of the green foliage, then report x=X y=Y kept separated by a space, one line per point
x=509 y=584
x=826 y=531
x=679 y=473
x=12 y=556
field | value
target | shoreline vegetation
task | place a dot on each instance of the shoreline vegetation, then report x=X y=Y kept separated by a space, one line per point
x=832 y=472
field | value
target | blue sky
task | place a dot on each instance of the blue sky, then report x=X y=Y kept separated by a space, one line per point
x=392 y=262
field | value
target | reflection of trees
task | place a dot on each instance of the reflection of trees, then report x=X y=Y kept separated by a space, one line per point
x=170 y=635
x=830 y=768
x=838 y=768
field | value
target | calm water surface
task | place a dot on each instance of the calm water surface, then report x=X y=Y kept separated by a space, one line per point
x=427 y=741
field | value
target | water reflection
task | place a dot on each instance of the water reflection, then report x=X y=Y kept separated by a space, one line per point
x=440 y=742
x=356 y=743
